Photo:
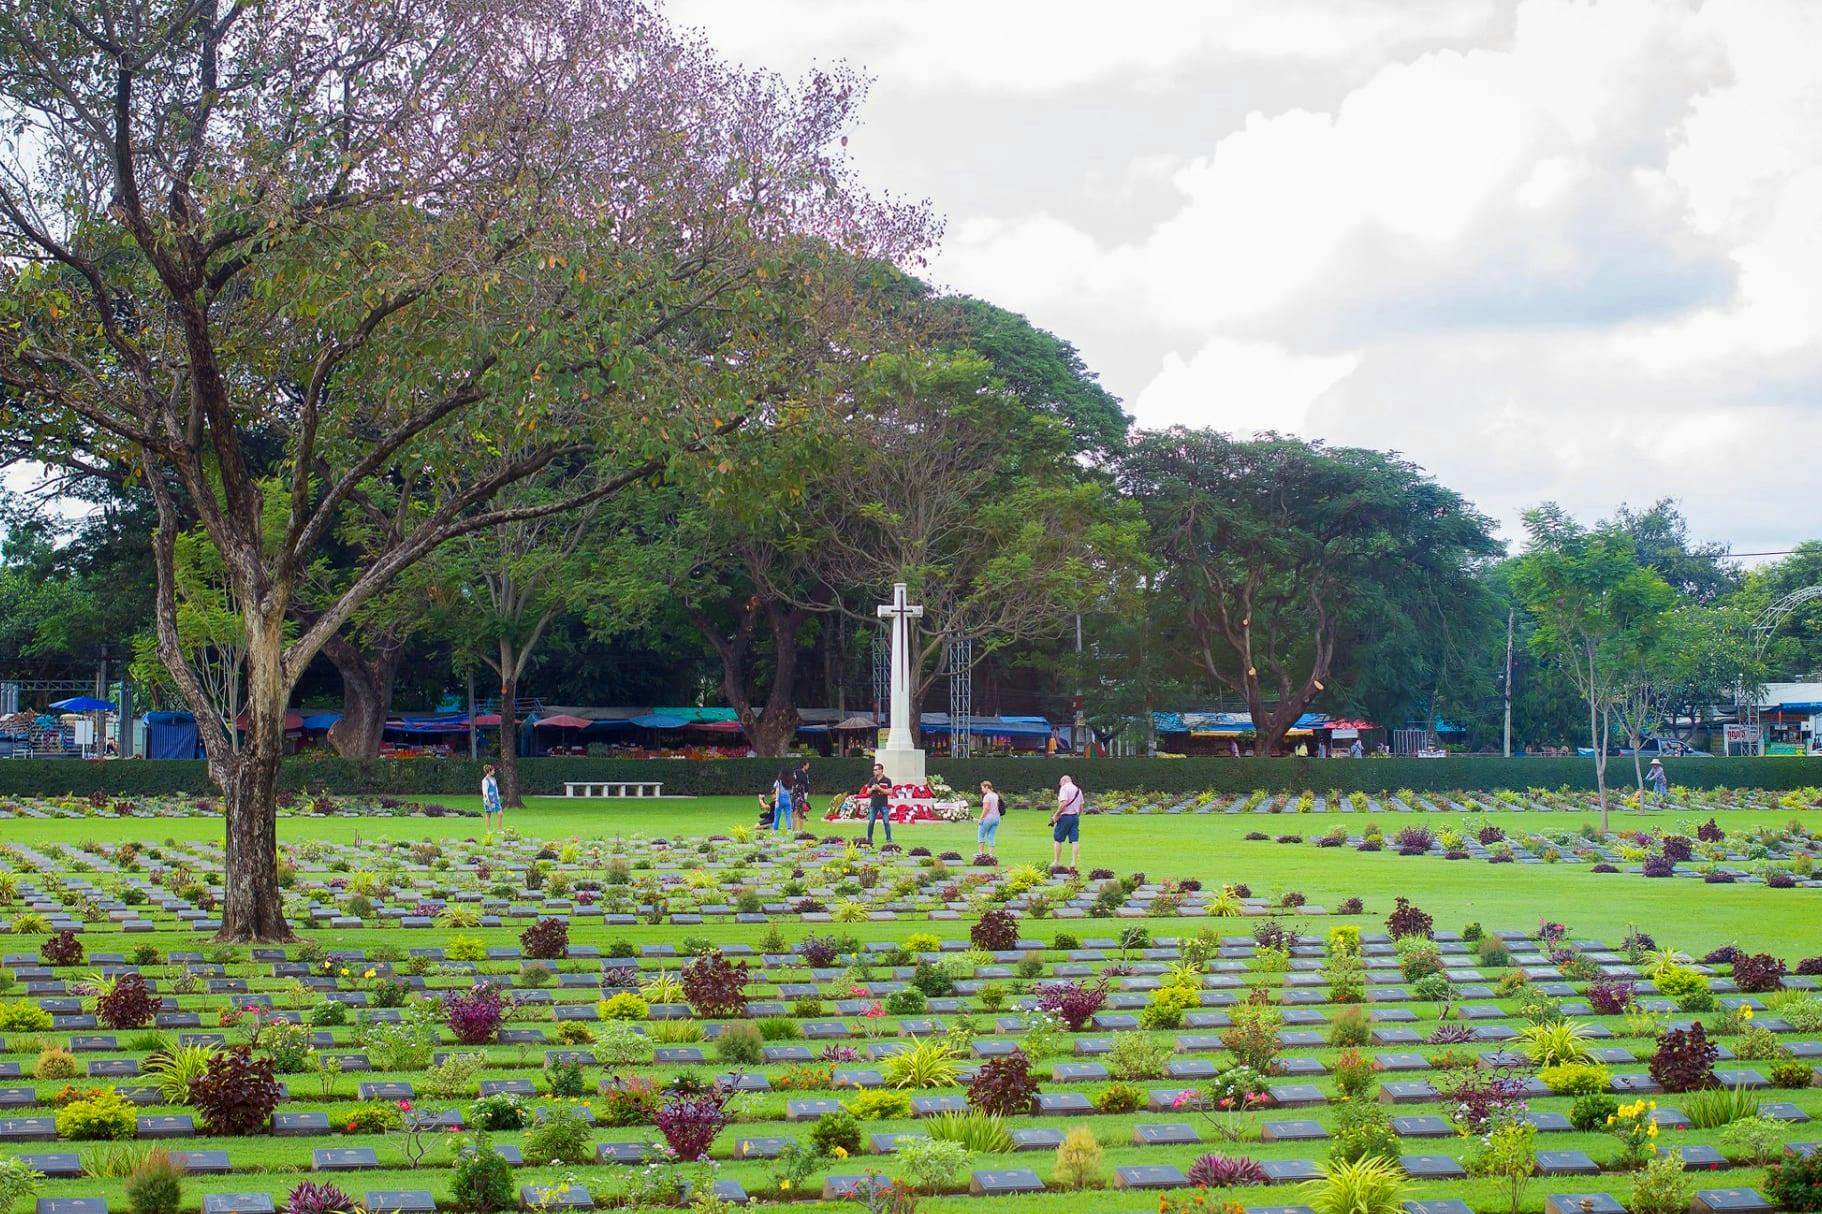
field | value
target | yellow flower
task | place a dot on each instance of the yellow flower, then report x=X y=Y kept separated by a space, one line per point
x=784 y=1186
x=1651 y=1131
x=1609 y=1121
x=1746 y=1013
x=344 y=971
x=840 y=1152
x=368 y=974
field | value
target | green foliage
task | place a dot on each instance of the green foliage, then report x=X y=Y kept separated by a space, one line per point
x=156 y=1185
x=481 y=1181
x=100 y=1116
x=1371 y=1185
x=1662 y=1186
x=561 y=1137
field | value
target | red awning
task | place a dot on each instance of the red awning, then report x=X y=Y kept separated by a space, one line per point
x=715 y=726
x=1355 y=725
x=486 y=719
x=562 y=721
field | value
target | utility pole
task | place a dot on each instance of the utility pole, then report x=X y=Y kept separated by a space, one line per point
x=1081 y=716
x=1510 y=615
x=474 y=749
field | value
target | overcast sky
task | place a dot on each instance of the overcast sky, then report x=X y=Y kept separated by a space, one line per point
x=1547 y=249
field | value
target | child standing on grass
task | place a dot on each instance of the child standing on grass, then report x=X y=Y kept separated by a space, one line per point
x=490 y=800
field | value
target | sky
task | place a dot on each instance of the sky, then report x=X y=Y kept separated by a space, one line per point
x=1550 y=250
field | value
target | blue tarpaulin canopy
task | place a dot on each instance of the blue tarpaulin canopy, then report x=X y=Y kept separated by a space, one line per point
x=172 y=735
x=653 y=720
x=84 y=704
x=996 y=727
x=1222 y=724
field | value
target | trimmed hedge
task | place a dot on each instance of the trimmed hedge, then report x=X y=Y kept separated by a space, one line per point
x=743 y=777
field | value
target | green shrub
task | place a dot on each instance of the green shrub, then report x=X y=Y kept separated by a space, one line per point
x=1138 y=1056
x=740 y=1043
x=24 y=1018
x=623 y=1006
x=19 y=1181
x=1662 y=1187
x=1575 y=1078
x=481 y=1181
x=99 y=1117
x=879 y=1105
x=1589 y=1113
x=562 y=1137
x=836 y=1131
x=1362 y=1130
x=156 y=1185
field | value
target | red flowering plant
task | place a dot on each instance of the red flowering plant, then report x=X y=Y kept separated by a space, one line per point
x=1228 y=1102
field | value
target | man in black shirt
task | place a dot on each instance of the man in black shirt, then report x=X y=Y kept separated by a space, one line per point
x=879 y=795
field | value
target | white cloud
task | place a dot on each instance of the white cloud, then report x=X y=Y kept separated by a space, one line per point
x=1242 y=386
x=1562 y=249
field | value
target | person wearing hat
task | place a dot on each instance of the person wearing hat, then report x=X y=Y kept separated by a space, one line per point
x=1659 y=782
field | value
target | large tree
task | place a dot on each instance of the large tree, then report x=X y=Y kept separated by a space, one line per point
x=318 y=241
x=1271 y=545
x=950 y=482
x=1598 y=610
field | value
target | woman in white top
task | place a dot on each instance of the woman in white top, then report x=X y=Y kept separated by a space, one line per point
x=989 y=831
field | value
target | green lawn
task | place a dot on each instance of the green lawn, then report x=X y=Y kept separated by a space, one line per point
x=1684 y=914
x=1209 y=847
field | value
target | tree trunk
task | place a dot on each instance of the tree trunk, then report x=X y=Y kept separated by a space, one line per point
x=366 y=695
x=253 y=905
x=509 y=744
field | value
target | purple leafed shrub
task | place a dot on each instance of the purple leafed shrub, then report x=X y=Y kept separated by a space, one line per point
x=689 y=1122
x=715 y=986
x=1269 y=933
x=819 y=952
x=1684 y=1060
x=312 y=1198
x=1350 y=906
x=1604 y=867
x=1727 y=954
x=1407 y=920
x=1678 y=848
x=620 y=977
x=546 y=940
x=130 y=1005
x=1414 y=840
x=1480 y=1099
x=1781 y=881
x=1637 y=940
x=1659 y=865
x=1242 y=890
x=1718 y=879
x=1004 y=1087
x=1810 y=966
x=1291 y=898
x=235 y=1094
x=1100 y=874
x=1457 y=854
x=1758 y=973
x=1071 y=1002
x=1609 y=998
x=1450 y=1034
x=1256 y=836
x=1370 y=845
x=997 y=931
x=1490 y=835
x=985 y=860
x=475 y=1015
x=62 y=949
x=1290 y=838
x=1213 y=1171
x=1710 y=832
x=839 y=1053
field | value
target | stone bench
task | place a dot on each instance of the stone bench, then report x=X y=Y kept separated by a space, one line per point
x=613 y=788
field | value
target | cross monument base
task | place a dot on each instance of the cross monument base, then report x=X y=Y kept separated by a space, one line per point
x=904 y=766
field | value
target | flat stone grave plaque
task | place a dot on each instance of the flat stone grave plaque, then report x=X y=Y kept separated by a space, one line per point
x=513 y=1087
x=28 y=1129
x=1036 y=1140
x=1432 y=1167
x=237 y=1203
x=1000 y=1181
x=1279 y=1210
x=399 y=1201
x=621 y=1152
x=393 y=1092
x=1582 y=1203
x=678 y=1054
x=1078 y=1072
x=1285 y=1171
x=1292 y=1131
x=203 y=1163
x=809 y=1110
x=1296 y=1095
x=1415 y=1091
x=1697 y=1158
x=1149 y=1176
x=760 y=1148
x=72 y=1205
x=1400 y=1062
x=1445 y=1206
x=1732 y=1201
x=1635 y=1085
x=842 y=1188
x=55 y=1167
x=343 y=1159
x=297 y=1125
x=177 y=1125
x=929 y=1106
x=1170 y=1134
x=1783 y=1112
x=1422 y=1127
x=549 y=1197
x=1566 y=1163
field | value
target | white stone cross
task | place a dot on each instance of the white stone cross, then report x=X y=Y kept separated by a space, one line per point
x=903 y=761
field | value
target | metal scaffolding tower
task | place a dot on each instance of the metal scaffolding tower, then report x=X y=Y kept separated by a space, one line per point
x=961 y=696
